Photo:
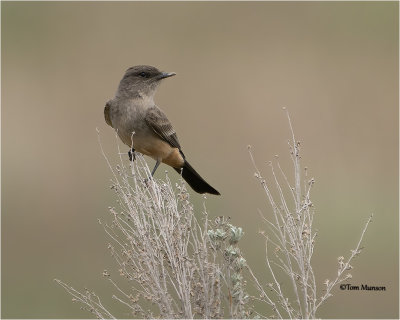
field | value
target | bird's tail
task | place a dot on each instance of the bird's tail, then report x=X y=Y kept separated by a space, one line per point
x=194 y=180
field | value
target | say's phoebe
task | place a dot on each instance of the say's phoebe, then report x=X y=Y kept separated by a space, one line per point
x=145 y=128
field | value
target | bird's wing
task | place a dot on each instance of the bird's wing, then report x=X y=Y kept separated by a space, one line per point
x=107 y=113
x=158 y=121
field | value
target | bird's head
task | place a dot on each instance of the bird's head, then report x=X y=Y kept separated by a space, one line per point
x=141 y=81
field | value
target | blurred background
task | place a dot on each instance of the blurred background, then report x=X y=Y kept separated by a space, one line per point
x=333 y=65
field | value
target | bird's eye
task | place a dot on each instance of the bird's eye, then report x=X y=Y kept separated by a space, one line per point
x=143 y=74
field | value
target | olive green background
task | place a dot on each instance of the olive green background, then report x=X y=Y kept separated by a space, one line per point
x=334 y=65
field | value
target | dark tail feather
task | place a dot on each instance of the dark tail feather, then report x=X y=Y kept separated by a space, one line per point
x=194 y=180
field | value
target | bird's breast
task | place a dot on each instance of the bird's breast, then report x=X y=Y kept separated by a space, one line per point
x=128 y=119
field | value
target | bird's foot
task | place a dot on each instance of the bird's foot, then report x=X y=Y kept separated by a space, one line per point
x=131 y=154
x=146 y=181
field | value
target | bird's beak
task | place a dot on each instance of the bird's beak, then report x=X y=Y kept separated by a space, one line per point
x=164 y=75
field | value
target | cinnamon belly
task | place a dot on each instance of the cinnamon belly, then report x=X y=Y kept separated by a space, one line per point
x=160 y=150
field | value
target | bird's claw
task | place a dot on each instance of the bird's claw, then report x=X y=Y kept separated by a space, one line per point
x=131 y=154
x=146 y=181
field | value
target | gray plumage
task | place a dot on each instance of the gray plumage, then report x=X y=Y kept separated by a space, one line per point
x=145 y=128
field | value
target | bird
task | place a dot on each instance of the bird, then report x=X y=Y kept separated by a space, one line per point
x=145 y=128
